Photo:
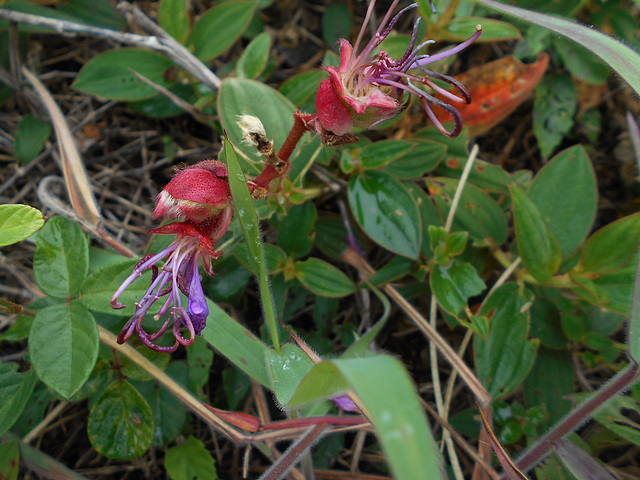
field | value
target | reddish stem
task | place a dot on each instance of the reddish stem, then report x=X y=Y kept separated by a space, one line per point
x=270 y=172
x=575 y=418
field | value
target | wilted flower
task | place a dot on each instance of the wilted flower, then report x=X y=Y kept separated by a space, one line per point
x=367 y=90
x=199 y=198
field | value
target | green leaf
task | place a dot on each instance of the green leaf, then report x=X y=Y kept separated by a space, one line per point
x=61 y=259
x=169 y=413
x=219 y=28
x=200 y=359
x=548 y=382
x=461 y=28
x=612 y=246
x=504 y=360
x=15 y=391
x=546 y=324
x=580 y=62
x=477 y=212
x=538 y=248
x=566 y=195
x=111 y=74
x=246 y=214
x=286 y=369
x=386 y=211
x=173 y=17
x=422 y=158
x=294 y=233
x=97 y=13
x=336 y=23
x=243 y=96
x=190 y=461
x=30 y=137
x=254 y=59
x=323 y=279
x=485 y=176
x=389 y=396
x=99 y=287
x=133 y=371
x=301 y=88
x=120 y=422
x=381 y=153
x=64 y=346
x=9 y=459
x=555 y=104
x=619 y=414
x=620 y=57
x=236 y=343
x=18 y=222
x=453 y=285
x=275 y=257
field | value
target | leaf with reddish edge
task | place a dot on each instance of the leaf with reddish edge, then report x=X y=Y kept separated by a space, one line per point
x=497 y=88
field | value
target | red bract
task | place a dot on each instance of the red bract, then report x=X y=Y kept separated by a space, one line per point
x=200 y=197
x=367 y=90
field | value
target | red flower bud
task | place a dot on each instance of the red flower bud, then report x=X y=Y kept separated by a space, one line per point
x=197 y=193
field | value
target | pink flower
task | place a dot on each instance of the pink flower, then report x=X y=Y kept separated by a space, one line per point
x=199 y=198
x=365 y=91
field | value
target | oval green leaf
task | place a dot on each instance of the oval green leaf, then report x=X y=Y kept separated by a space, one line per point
x=612 y=246
x=537 y=246
x=566 y=195
x=323 y=279
x=99 y=287
x=219 y=28
x=111 y=74
x=61 y=259
x=386 y=211
x=254 y=59
x=424 y=157
x=64 y=346
x=120 y=422
x=189 y=461
x=15 y=391
x=504 y=360
x=477 y=212
x=18 y=222
x=453 y=285
x=173 y=17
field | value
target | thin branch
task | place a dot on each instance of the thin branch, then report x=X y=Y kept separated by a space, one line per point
x=165 y=44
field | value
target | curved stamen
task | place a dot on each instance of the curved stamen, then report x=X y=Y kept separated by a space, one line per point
x=415 y=54
x=143 y=336
x=183 y=318
x=411 y=49
x=451 y=51
x=457 y=117
x=450 y=80
x=380 y=35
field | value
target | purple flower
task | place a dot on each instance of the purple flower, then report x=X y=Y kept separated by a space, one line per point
x=367 y=90
x=178 y=274
x=199 y=197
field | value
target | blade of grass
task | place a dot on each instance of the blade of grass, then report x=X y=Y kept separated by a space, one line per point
x=248 y=219
x=616 y=54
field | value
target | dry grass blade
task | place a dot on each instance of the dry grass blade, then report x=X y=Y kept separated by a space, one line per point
x=75 y=175
x=509 y=467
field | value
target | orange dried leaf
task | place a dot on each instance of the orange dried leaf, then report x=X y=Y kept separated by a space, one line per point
x=497 y=88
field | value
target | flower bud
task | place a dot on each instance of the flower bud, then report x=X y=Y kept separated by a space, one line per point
x=197 y=193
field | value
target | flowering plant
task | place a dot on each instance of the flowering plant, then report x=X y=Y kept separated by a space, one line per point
x=369 y=88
